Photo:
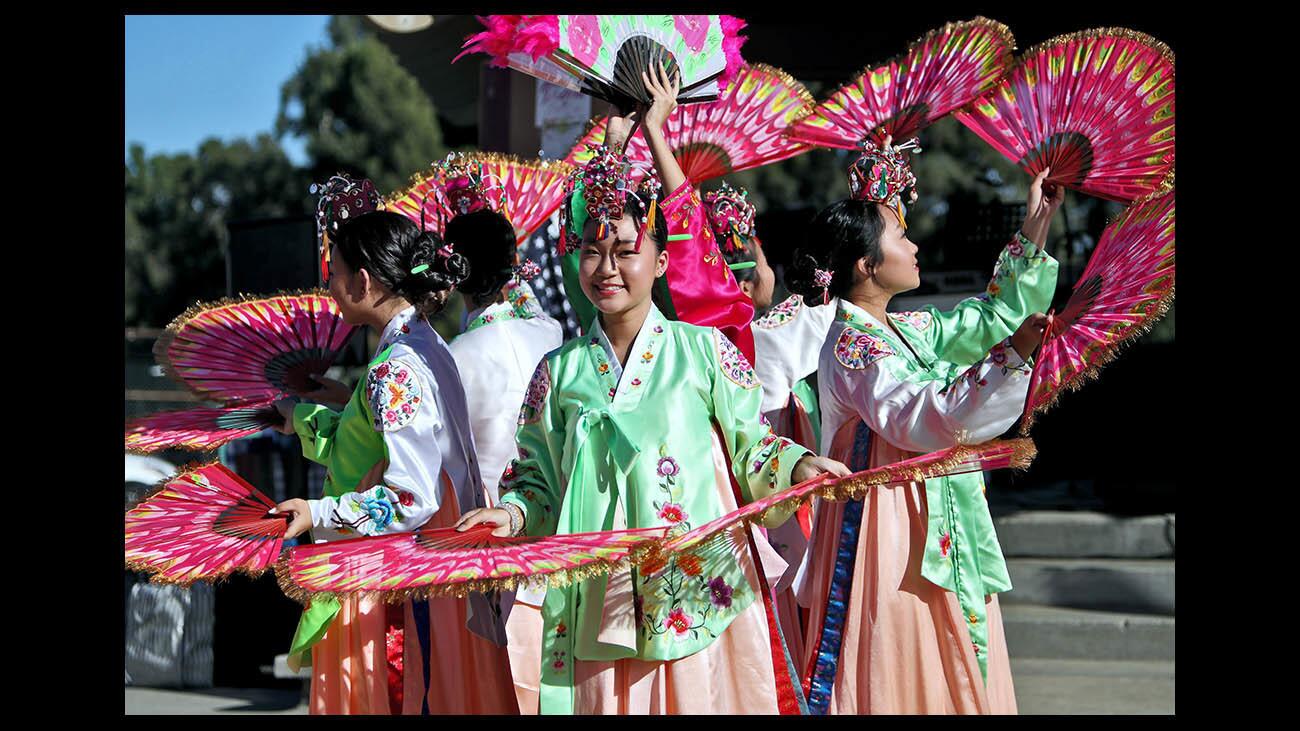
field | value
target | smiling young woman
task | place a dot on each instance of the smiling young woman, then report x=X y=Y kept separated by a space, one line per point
x=633 y=425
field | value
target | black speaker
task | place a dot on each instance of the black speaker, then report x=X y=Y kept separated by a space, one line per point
x=272 y=254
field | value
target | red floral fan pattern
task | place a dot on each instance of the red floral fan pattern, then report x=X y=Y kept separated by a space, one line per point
x=198 y=429
x=942 y=71
x=1127 y=286
x=254 y=350
x=1097 y=107
x=203 y=524
x=744 y=128
x=442 y=561
x=532 y=192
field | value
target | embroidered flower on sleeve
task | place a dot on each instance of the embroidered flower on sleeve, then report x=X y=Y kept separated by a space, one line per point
x=945 y=544
x=394 y=393
x=781 y=314
x=856 y=349
x=406 y=499
x=734 y=364
x=918 y=320
x=535 y=396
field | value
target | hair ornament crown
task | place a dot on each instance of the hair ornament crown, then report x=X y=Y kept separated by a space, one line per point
x=341 y=199
x=465 y=187
x=606 y=185
x=731 y=215
x=881 y=175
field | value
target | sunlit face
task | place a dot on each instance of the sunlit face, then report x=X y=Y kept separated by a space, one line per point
x=898 y=270
x=346 y=288
x=760 y=290
x=614 y=275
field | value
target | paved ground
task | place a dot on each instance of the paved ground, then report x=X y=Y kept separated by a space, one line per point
x=1042 y=687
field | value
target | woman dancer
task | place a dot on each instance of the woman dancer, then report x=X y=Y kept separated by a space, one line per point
x=399 y=457
x=688 y=636
x=902 y=585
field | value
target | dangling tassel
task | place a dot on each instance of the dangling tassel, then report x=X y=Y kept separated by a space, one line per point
x=902 y=220
x=735 y=239
x=601 y=230
x=649 y=222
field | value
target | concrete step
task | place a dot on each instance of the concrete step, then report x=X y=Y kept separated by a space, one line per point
x=1084 y=534
x=1114 y=584
x=1093 y=687
x=1056 y=633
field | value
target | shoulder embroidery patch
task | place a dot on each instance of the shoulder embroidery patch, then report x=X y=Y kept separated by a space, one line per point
x=918 y=320
x=781 y=314
x=857 y=350
x=535 y=396
x=394 y=393
x=734 y=364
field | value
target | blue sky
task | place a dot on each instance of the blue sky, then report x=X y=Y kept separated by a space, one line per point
x=190 y=77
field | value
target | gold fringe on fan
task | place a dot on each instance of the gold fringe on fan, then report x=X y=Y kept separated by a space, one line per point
x=1127 y=34
x=486 y=158
x=164 y=342
x=1108 y=353
x=979 y=21
x=1103 y=357
x=555 y=580
x=1023 y=453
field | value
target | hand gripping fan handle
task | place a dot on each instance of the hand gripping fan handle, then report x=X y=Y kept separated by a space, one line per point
x=1027 y=416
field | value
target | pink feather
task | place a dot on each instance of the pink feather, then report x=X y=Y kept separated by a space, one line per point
x=497 y=41
x=538 y=35
x=731 y=43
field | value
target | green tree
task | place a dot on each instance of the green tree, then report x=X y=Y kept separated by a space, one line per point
x=360 y=112
x=177 y=208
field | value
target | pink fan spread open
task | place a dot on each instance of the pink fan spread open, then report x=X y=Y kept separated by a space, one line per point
x=942 y=71
x=253 y=350
x=527 y=192
x=744 y=128
x=198 y=429
x=1097 y=107
x=442 y=561
x=1127 y=286
x=203 y=524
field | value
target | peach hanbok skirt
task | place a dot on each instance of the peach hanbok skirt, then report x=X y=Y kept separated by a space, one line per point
x=904 y=647
x=460 y=673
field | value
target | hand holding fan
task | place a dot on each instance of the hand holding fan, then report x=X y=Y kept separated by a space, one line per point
x=1127 y=286
x=604 y=55
x=203 y=524
x=254 y=350
x=744 y=128
x=942 y=71
x=443 y=561
x=526 y=193
x=246 y=354
x=1097 y=107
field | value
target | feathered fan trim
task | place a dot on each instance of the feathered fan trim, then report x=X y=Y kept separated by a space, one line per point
x=978 y=21
x=168 y=336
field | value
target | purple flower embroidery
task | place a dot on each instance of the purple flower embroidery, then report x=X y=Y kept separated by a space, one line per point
x=668 y=467
x=720 y=593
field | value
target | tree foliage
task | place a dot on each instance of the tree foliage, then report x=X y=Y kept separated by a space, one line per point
x=177 y=207
x=360 y=111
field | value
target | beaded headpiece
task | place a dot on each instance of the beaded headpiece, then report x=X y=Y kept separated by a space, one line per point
x=730 y=215
x=881 y=175
x=341 y=199
x=465 y=187
x=606 y=184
